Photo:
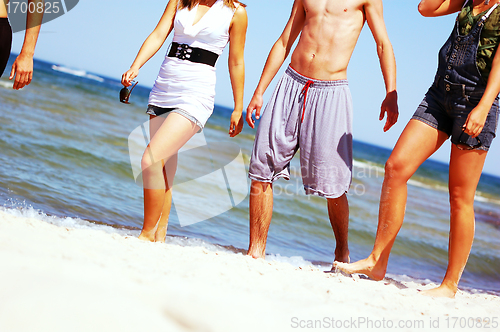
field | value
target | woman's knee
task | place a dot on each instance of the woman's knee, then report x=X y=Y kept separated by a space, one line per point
x=147 y=160
x=461 y=199
x=397 y=169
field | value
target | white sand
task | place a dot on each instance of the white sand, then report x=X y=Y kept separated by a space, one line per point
x=61 y=279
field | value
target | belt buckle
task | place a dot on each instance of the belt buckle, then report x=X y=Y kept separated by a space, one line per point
x=183 y=52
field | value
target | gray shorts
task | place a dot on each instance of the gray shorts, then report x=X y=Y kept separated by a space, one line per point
x=315 y=117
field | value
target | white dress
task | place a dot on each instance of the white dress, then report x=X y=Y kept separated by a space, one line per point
x=186 y=85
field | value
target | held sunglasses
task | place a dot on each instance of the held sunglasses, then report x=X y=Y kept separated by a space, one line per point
x=125 y=93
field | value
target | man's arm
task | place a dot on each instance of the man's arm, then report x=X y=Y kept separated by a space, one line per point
x=22 y=68
x=431 y=8
x=276 y=57
x=375 y=19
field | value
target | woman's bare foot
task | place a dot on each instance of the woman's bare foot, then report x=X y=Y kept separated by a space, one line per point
x=147 y=236
x=374 y=270
x=161 y=234
x=441 y=291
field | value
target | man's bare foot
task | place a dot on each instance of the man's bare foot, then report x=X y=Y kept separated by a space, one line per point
x=342 y=257
x=441 y=291
x=367 y=266
x=147 y=236
x=160 y=234
x=256 y=252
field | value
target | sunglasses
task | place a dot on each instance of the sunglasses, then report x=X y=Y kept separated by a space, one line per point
x=463 y=142
x=125 y=93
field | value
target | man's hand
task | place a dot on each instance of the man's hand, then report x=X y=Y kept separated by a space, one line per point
x=255 y=104
x=390 y=106
x=22 y=70
x=236 y=123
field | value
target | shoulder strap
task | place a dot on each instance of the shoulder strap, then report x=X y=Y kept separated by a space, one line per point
x=485 y=17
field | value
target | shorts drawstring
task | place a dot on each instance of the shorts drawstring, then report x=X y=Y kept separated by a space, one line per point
x=304 y=91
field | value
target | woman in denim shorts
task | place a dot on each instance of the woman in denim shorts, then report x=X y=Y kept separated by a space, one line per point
x=461 y=103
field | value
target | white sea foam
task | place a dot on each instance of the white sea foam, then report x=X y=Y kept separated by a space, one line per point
x=77 y=72
x=6 y=84
x=31 y=213
x=363 y=164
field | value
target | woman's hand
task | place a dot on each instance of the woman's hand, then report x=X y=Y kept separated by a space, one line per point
x=129 y=76
x=476 y=120
x=236 y=123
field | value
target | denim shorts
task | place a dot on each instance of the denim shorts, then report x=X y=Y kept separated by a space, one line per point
x=446 y=107
x=161 y=111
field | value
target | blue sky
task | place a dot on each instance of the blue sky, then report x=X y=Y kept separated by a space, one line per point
x=103 y=37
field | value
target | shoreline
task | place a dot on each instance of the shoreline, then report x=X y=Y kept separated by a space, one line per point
x=86 y=279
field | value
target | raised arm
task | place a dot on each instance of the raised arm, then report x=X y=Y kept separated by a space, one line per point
x=276 y=57
x=432 y=8
x=153 y=43
x=477 y=117
x=375 y=19
x=236 y=64
x=22 y=68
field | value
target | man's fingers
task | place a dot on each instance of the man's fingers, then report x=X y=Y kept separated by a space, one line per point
x=257 y=112
x=12 y=71
x=249 y=119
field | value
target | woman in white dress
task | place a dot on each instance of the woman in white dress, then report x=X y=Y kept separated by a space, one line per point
x=184 y=90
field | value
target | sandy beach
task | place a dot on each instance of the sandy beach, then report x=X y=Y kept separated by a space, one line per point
x=54 y=278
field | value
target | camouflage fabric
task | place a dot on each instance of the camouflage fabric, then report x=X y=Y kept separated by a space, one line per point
x=490 y=36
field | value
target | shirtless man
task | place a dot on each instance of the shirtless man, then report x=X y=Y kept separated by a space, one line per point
x=311 y=110
x=22 y=68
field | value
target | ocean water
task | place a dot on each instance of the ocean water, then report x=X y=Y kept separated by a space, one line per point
x=65 y=154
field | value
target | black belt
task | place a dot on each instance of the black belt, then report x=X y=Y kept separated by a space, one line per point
x=193 y=54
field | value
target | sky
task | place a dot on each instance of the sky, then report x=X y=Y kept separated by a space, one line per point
x=103 y=37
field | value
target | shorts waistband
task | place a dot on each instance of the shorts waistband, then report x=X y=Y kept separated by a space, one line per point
x=4 y=21
x=439 y=81
x=315 y=83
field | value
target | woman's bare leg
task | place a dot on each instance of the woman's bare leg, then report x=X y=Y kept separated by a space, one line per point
x=465 y=171
x=417 y=143
x=170 y=136
x=169 y=173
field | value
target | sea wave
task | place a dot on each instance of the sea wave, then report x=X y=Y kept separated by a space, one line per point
x=77 y=72
x=6 y=84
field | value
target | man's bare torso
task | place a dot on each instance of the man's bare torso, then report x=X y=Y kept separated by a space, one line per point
x=3 y=8
x=329 y=35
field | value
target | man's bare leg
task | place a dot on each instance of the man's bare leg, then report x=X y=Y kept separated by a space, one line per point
x=338 y=211
x=465 y=171
x=261 y=212
x=417 y=143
